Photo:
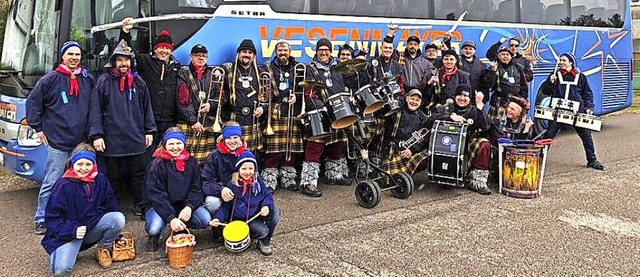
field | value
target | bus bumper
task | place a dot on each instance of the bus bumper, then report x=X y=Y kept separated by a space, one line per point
x=26 y=162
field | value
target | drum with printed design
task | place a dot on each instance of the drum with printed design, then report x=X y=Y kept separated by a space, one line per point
x=522 y=171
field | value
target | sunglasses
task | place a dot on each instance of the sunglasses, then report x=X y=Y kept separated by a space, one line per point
x=514 y=45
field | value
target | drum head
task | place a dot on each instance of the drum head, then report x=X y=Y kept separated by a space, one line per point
x=344 y=122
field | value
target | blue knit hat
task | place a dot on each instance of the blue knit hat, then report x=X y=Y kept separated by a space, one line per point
x=174 y=135
x=246 y=156
x=83 y=154
x=68 y=44
x=232 y=130
x=570 y=57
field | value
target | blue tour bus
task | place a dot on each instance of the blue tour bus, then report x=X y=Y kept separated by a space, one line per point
x=597 y=31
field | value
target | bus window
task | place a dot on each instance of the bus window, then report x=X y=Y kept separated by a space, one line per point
x=39 y=53
x=532 y=12
x=556 y=12
x=480 y=10
x=195 y=3
x=411 y=9
x=506 y=11
x=293 y=6
x=447 y=9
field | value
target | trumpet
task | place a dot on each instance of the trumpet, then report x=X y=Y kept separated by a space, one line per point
x=267 y=90
x=416 y=137
x=217 y=77
x=299 y=75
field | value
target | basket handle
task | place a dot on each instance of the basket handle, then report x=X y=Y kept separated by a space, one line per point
x=173 y=234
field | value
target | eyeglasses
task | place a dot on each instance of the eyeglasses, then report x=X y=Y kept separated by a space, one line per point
x=200 y=56
x=514 y=45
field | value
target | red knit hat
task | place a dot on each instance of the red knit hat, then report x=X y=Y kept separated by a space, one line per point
x=163 y=39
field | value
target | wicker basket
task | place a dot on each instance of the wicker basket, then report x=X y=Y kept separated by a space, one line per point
x=180 y=249
x=124 y=248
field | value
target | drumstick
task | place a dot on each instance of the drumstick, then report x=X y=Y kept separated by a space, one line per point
x=254 y=217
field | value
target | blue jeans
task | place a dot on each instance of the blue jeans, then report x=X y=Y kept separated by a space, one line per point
x=154 y=224
x=212 y=204
x=262 y=228
x=584 y=134
x=162 y=127
x=105 y=233
x=54 y=168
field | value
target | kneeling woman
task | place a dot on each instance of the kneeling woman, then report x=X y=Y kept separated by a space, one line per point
x=251 y=197
x=82 y=211
x=173 y=190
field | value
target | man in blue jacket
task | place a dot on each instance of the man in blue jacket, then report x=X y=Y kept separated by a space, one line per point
x=121 y=119
x=58 y=109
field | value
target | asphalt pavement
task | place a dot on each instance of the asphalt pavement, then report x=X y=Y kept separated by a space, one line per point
x=585 y=223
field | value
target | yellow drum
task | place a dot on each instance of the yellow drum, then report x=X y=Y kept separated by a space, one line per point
x=236 y=236
x=522 y=171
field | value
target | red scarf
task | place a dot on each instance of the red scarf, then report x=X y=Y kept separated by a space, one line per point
x=246 y=184
x=90 y=178
x=572 y=72
x=124 y=77
x=226 y=151
x=180 y=159
x=199 y=71
x=74 y=88
x=447 y=75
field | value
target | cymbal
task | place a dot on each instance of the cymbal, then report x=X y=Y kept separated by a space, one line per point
x=312 y=85
x=351 y=66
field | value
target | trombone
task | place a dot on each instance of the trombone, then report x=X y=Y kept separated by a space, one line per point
x=299 y=75
x=267 y=90
x=217 y=77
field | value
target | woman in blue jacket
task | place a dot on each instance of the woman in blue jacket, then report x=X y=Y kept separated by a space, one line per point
x=82 y=211
x=250 y=197
x=173 y=190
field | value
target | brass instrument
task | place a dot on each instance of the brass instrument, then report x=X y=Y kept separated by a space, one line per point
x=257 y=136
x=299 y=75
x=267 y=91
x=416 y=137
x=217 y=77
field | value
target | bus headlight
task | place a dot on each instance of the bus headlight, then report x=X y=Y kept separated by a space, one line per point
x=27 y=136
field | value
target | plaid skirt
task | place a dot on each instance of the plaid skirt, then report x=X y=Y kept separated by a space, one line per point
x=198 y=146
x=253 y=136
x=396 y=163
x=336 y=136
x=473 y=147
x=277 y=143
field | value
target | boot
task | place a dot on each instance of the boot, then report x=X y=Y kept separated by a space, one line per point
x=270 y=176
x=478 y=181
x=333 y=173
x=103 y=255
x=288 y=178
x=309 y=180
x=152 y=243
x=344 y=167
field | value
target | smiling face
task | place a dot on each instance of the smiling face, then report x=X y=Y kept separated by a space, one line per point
x=174 y=147
x=413 y=102
x=345 y=55
x=513 y=46
x=386 y=49
x=247 y=170
x=123 y=63
x=324 y=53
x=449 y=61
x=198 y=59
x=233 y=142
x=163 y=53
x=468 y=51
x=71 y=58
x=82 y=167
x=462 y=100
x=513 y=111
x=431 y=53
x=504 y=57
x=246 y=57
x=283 y=52
x=565 y=63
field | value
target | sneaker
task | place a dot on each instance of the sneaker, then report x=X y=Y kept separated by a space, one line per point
x=484 y=190
x=264 y=249
x=152 y=243
x=103 y=255
x=293 y=188
x=137 y=210
x=311 y=192
x=596 y=165
x=40 y=229
x=217 y=235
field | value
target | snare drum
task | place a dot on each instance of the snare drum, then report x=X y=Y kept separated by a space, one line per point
x=315 y=124
x=588 y=121
x=340 y=110
x=368 y=99
x=544 y=113
x=521 y=171
x=236 y=236
x=390 y=93
x=566 y=117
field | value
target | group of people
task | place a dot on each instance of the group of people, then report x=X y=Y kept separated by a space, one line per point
x=161 y=123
